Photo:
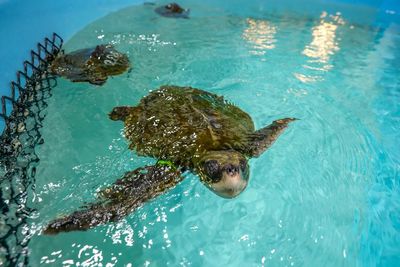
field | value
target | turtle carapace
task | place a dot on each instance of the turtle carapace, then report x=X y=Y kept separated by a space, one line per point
x=185 y=129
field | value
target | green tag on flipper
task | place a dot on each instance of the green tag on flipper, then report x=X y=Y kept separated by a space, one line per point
x=166 y=163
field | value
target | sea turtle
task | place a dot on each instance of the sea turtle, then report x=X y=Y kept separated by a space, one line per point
x=173 y=10
x=186 y=129
x=91 y=65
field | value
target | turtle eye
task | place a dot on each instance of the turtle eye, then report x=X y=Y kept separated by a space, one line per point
x=211 y=167
x=243 y=165
x=169 y=6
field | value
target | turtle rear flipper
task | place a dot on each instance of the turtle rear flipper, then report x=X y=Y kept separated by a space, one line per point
x=120 y=199
x=262 y=139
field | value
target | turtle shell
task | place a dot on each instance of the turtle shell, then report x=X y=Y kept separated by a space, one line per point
x=181 y=123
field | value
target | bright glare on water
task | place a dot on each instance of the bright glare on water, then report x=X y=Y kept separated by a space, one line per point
x=325 y=194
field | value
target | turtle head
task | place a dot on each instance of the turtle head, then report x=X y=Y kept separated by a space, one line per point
x=174 y=8
x=226 y=173
x=120 y=113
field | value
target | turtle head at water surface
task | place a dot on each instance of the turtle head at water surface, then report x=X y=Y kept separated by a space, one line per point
x=226 y=173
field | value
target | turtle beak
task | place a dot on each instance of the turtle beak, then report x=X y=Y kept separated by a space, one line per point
x=232 y=183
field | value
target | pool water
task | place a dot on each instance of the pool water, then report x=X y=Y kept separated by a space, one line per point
x=325 y=194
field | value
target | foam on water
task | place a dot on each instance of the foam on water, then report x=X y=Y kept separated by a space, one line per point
x=325 y=194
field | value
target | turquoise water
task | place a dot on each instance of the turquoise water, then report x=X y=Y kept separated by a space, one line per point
x=326 y=193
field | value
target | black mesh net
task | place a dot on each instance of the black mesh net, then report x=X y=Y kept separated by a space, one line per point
x=23 y=112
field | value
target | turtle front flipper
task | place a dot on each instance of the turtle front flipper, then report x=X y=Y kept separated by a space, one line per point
x=262 y=139
x=120 y=199
x=98 y=79
x=81 y=75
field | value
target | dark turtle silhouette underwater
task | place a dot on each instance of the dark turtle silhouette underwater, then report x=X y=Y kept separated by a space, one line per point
x=186 y=129
x=172 y=10
x=92 y=65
